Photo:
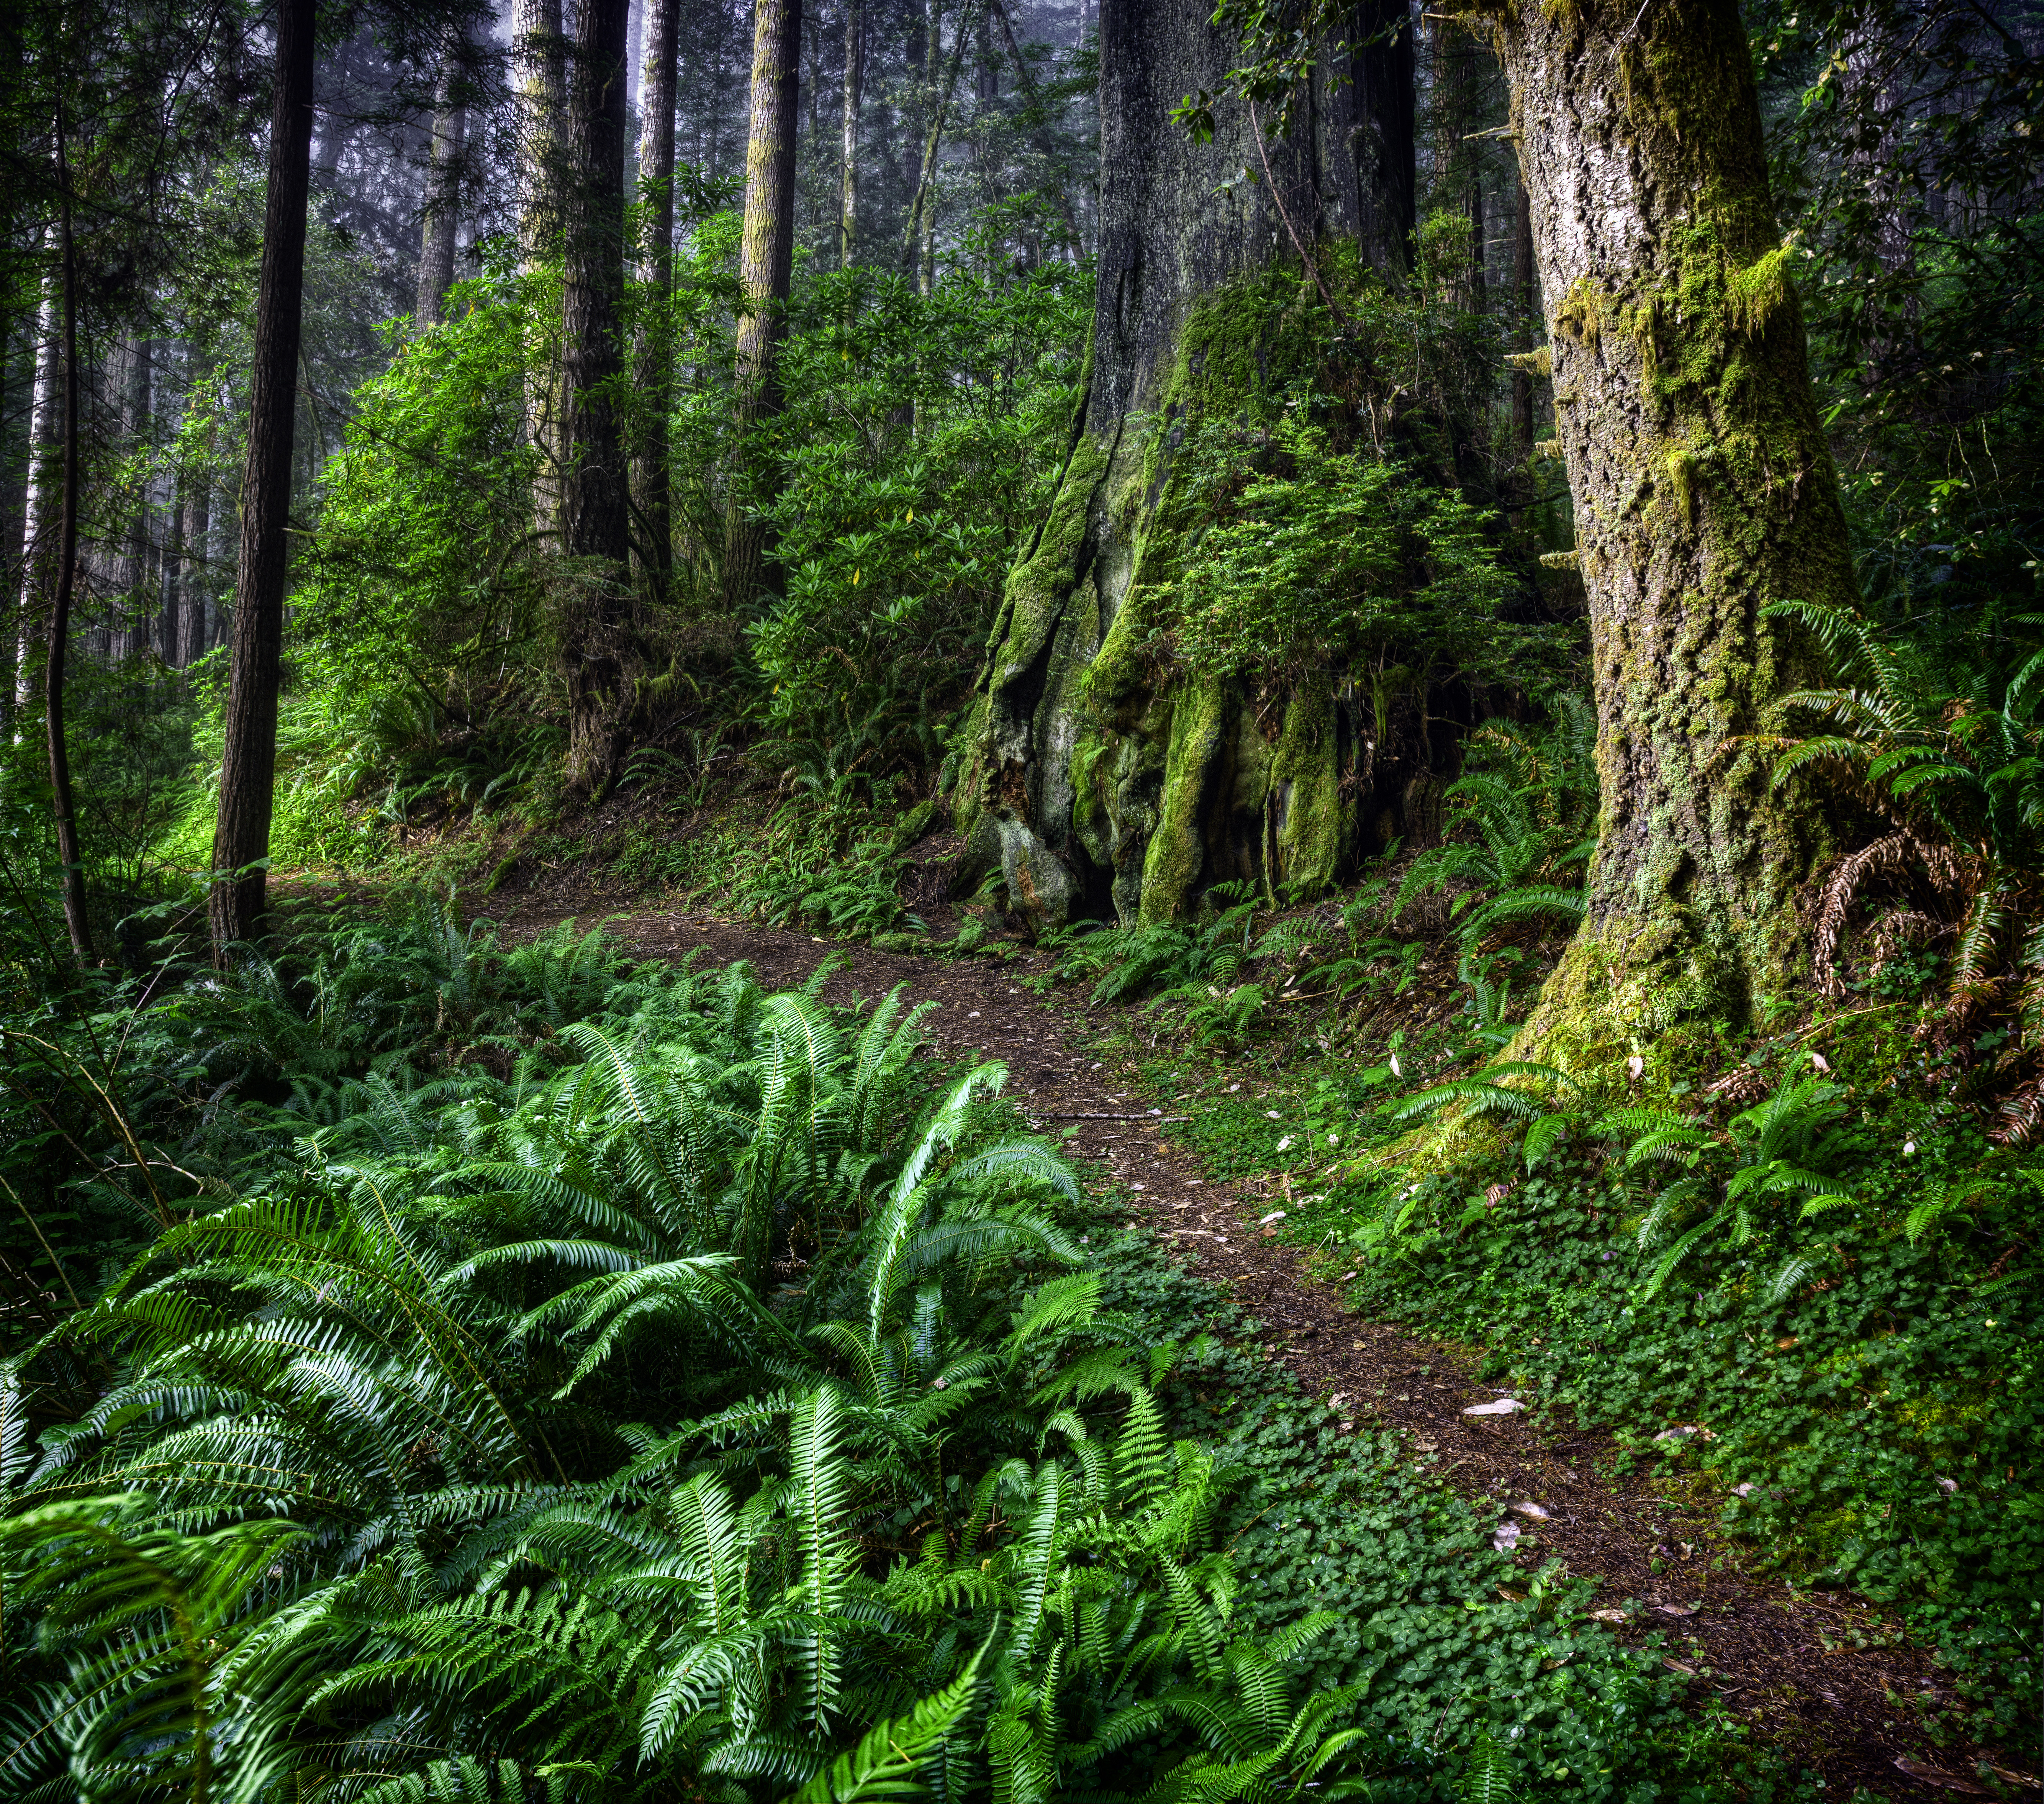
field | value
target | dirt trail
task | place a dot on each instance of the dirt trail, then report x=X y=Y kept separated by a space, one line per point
x=1823 y=1674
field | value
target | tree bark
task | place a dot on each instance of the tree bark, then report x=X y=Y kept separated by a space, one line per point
x=70 y=857
x=596 y=516
x=765 y=264
x=1703 y=490
x=45 y=441
x=248 y=759
x=653 y=355
x=1093 y=782
x=539 y=70
x=441 y=228
x=854 y=81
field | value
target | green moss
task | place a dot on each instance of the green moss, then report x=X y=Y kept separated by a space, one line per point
x=1581 y=313
x=1037 y=586
x=1755 y=294
x=1310 y=823
x=1682 y=473
x=1176 y=855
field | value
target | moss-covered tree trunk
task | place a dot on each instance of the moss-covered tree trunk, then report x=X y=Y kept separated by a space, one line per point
x=1092 y=781
x=1703 y=490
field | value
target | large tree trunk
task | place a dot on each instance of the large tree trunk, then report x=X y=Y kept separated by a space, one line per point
x=765 y=264
x=45 y=440
x=1703 y=490
x=70 y=857
x=1092 y=782
x=539 y=72
x=596 y=519
x=440 y=230
x=653 y=355
x=248 y=756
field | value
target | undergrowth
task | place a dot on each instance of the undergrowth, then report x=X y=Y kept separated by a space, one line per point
x=490 y=1366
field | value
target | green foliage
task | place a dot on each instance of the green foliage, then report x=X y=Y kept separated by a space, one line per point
x=1203 y=969
x=667 y=1396
x=1517 y=829
x=1942 y=746
x=921 y=442
x=1313 y=556
x=1820 y=1301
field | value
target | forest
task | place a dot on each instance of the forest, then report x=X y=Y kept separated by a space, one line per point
x=1021 y=900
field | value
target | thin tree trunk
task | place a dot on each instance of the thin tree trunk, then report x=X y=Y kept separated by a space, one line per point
x=766 y=263
x=248 y=758
x=653 y=355
x=76 y=923
x=440 y=231
x=925 y=205
x=130 y=600
x=596 y=516
x=1523 y=302
x=1039 y=127
x=540 y=73
x=1703 y=489
x=170 y=563
x=1387 y=181
x=45 y=438
x=194 y=576
x=922 y=209
x=854 y=81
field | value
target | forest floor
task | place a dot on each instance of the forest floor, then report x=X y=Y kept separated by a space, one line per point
x=1826 y=1676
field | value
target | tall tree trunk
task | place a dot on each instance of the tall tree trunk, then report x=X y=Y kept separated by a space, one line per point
x=920 y=234
x=170 y=562
x=1522 y=303
x=596 y=519
x=854 y=81
x=1092 y=782
x=654 y=354
x=926 y=208
x=539 y=70
x=766 y=263
x=1039 y=127
x=130 y=603
x=44 y=487
x=440 y=229
x=1379 y=92
x=194 y=575
x=248 y=756
x=1703 y=489
x=77 y=924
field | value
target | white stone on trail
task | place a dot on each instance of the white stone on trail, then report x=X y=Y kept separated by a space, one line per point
x=1504 y=1406
x=1532 y=1511
x=1505 y=1536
